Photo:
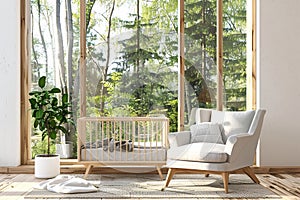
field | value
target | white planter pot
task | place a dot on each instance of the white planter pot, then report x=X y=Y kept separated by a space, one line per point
x=46 y=166
x=64 y=150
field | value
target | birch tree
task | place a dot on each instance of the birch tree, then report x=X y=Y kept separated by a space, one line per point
x=60 y=48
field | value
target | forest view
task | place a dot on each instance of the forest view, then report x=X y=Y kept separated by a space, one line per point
x=132 y=55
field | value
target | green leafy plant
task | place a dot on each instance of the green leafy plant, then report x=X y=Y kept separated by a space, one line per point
x=50 y=113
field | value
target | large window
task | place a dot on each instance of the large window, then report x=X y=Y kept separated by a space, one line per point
x=133 y=54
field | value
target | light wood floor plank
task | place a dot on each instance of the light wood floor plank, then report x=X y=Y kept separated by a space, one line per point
x=278 y=186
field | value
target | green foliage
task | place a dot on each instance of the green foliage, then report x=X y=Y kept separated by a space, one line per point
x=40 y=147
x=235 y=54
x=50 y=114
x=172 y=113
x=142 y=80
x=200 y=56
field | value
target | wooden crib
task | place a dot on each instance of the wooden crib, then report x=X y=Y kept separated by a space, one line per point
x=122 y=141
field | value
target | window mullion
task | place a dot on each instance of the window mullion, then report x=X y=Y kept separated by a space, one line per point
x=219 y=54
x=82 y=58
x=181 y=66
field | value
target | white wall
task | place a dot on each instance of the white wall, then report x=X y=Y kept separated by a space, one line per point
x=10 y=83
x=279 y=62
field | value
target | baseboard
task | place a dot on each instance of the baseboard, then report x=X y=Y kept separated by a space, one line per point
x=80 y=169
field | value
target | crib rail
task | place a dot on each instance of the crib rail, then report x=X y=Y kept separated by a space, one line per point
x=122 y=140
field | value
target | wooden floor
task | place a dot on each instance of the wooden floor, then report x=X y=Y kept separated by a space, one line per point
x=16 y=186
x=285 y=185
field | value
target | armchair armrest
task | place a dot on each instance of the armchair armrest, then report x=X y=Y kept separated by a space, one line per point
x=241 y=148
x=177 y=139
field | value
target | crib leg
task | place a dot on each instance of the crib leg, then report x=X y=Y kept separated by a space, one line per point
x=159 y=172
x=87 y=171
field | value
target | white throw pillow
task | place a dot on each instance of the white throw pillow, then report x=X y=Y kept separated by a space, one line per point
x=206 y=132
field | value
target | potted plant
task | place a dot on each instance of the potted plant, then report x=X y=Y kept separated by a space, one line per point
x=50 y=115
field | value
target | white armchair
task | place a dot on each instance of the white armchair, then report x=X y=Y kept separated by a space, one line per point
x=240 y=133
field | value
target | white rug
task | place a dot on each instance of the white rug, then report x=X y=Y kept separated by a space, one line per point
x=140 y=186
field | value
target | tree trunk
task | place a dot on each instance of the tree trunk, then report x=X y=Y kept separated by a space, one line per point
x=104 y=75
x=203 y=44
x=70 y=41
x=60 y=49
x=89 y=7
x=188 y=101
x=42 y=36
x=138 y=37
x=50 y=30
x=36 y=61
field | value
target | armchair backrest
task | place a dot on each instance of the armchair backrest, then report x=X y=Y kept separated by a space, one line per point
x=232 y=122
x=256 y=125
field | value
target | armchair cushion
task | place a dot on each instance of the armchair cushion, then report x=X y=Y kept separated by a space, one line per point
x=206 y=132
x=201 y=152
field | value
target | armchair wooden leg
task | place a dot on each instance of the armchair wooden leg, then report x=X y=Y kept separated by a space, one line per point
x=250 y=173
x=225 y=176
x=170 y=175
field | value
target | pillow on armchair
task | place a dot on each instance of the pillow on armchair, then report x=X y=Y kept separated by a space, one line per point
x=206 y=132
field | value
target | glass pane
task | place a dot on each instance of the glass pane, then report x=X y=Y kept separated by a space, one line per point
x=200 y=55
x=54 y=54
x=235 y=53
x=132 y=59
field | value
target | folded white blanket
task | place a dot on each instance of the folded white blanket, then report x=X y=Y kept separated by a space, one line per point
x=67 y=184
